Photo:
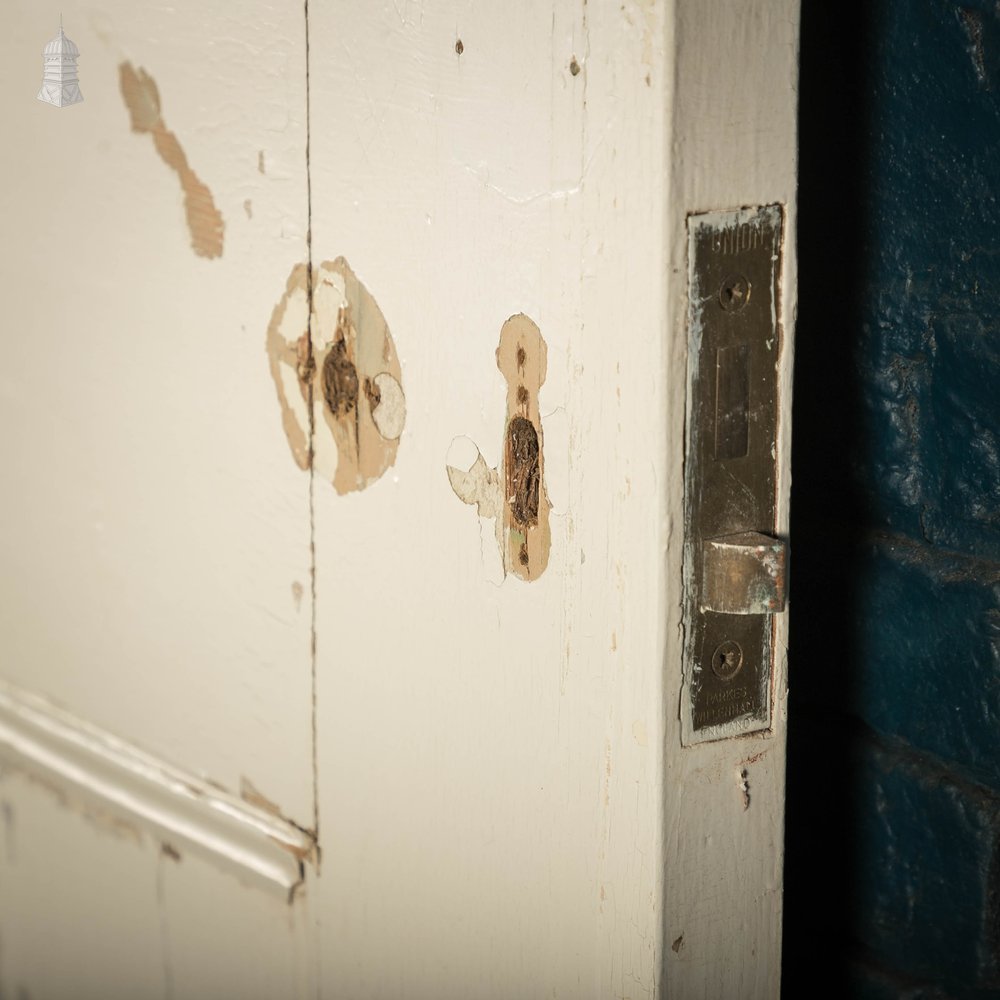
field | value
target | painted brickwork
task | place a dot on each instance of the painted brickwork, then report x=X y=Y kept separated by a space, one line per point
x=894 y=766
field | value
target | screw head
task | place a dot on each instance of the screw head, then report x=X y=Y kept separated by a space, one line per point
x=727 y=660
x=734 y=293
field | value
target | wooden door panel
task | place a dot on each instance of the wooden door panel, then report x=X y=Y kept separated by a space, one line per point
x=154 y=530
x=490 y=748
x=95 y=908
x=343 y=436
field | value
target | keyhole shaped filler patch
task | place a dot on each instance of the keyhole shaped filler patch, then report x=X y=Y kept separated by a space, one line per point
x=514 y=493
x=338 y=377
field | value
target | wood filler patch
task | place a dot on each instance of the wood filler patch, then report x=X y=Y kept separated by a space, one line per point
x=514 y=493
x=142 y=98
x=342 y=403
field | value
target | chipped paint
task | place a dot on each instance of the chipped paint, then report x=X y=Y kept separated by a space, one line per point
x=745 y=788
x=250 y=794
x=87 y=808
x=142 y=98
x=514 y=493
x=337 y=375
x=171 y=852
x=131 y=793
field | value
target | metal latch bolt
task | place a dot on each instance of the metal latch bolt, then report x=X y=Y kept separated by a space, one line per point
x=743 y=574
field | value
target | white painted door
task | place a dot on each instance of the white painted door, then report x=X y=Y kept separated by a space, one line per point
x=343 y=408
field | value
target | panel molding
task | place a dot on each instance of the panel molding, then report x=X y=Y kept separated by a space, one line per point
x=98 y=770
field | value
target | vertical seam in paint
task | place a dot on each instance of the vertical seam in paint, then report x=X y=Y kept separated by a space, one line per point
x=316 y=959
x=312 y=445
x=161 y=906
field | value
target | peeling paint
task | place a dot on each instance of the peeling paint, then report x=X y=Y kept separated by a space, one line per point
x=337 y=375
x=388 y=405
x=142 y=98
x=252 y=796
x=300 y=853
x=479 y=485
x=514 y=493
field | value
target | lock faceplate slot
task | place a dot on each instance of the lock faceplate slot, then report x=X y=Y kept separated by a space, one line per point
x=734 y=567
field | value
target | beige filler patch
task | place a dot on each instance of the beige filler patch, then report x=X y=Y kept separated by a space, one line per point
x=340 y=389
x=514 y=493
x=143 y=102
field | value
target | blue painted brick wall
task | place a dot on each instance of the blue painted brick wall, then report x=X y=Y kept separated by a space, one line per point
x=929 y=358
x=927 y=872
x=893 y=829
x=928 y=645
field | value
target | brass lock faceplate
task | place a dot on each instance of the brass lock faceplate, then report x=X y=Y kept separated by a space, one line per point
x=734 y=567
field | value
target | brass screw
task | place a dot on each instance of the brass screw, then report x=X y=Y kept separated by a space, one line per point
x=727 y=660
x=734 y=293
